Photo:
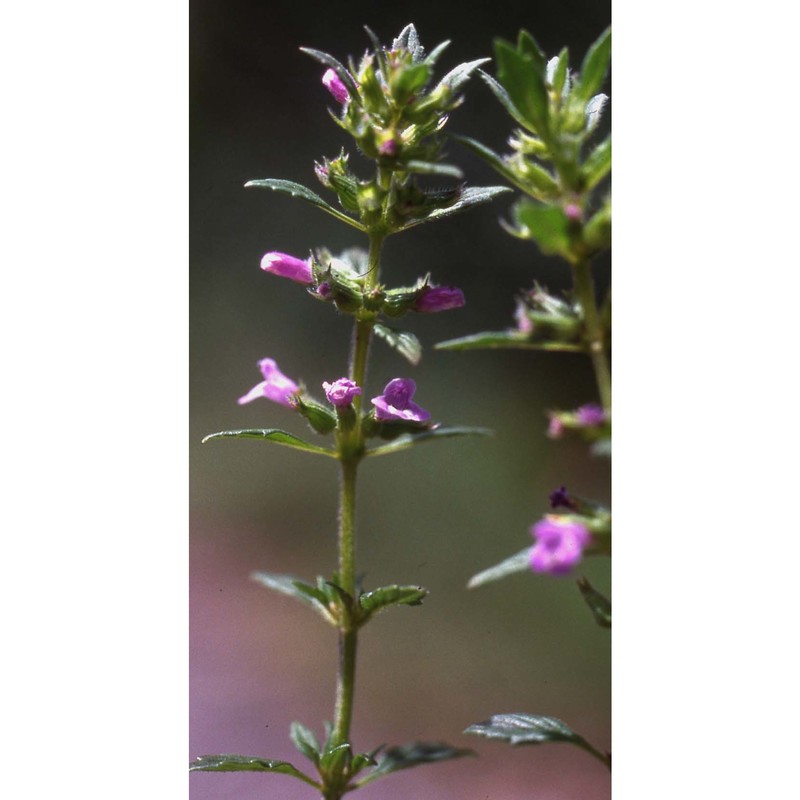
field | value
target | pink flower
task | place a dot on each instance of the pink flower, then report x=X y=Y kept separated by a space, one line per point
x=286 y=266
x=590 y=415
x=395 y=405
x=439 y=298
x=341 y=392
x=275 y=386
x=559 y=545
x=573 y=212
x=333 y=83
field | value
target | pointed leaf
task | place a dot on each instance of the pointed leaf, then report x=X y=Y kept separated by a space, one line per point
x=547 y=225
x=594 y=67
x=305 y=741
x=404 y=342
x=502 y=95
x=293 y=587
x=392 y=596
x=527 y=45
x=431 y=168
x=410 y=439
x=459 y=75
x=273 y=435
x=236 y=763
x=524 y=84
x=505 y=340
x=334 y=760
x=597 y=165
x=599 y=605
x=470 y=197
x=433 y=56
x=516 y=563
x=594 y=111
x=298 y=190
x=412 y=755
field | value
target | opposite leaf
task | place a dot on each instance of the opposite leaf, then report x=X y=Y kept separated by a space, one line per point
x=293 y=587
x=471 y=196
x=392 y=596
x=236 y=763
x=273 y=435
x=517 y=563
x=599 y=605
x=410 y=439
x=505 y=340
x=412 y=755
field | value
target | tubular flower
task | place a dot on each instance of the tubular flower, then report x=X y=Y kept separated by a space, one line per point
x=439 y=298
x=286 y=266
x=333 y=83
x=341 y=392
x=275 y=386
x=395 y=404
x=559 y=545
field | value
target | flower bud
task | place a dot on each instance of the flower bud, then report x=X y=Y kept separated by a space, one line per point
x=341 y=392
x=286 y=266
x=333 y=83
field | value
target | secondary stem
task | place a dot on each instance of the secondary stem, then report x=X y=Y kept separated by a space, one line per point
x=350 y=452
x=584 y=289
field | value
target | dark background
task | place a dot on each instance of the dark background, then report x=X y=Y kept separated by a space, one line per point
x=432 y=516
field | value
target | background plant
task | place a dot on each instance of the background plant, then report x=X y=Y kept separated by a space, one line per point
x=395 y=112
x=567 y=212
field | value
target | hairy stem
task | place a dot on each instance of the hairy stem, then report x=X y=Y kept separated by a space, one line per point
x=584 y=290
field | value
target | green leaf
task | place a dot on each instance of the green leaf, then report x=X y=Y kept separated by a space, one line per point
x=524 y=83
x=305 y=741
x=235 y=763
x=273 y=435
x=468 y=198
x=411 y=80
x=433 y=56
x=594 y=67
x=532 y=729
x=392 y=596
x=557 y=75
x=547 y=224
x=404 y=342
x=431 y=168
x=335 y=760
x=528 y=46
x=298 y=190
x=597 y=164
x=502 y=95
x=293 y=587
x=516 y=563
x=505 y=340
x=459 y=75
x=410 y=439
x=599 y=605
x=412 y=755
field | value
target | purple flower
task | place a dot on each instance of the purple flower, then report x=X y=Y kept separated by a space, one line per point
x=333 y=83
x=560 y=497
x=395 y=405
x=388 y=148
x=324 y=290
x=286 y=266
x=524 y=324
x=275 y=386
x=438 y=298
x=559 y=545
x=573 y=212
x=590 y=415
x=341 y=392
x=555 y=430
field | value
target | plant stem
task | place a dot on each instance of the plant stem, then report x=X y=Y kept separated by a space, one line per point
x=350 y=450
x=584 y=289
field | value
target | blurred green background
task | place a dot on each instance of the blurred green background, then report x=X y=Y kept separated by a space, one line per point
x=434 y=515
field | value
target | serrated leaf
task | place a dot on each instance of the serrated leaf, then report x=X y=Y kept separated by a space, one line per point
x=305 y=741
x=410 y=439
x=298 y=190
x=597 y=165
x=431 y=168
x=237 y=763
x=273 y=435
x=517 y=729
x=404 y=342
x=599 y=605
x=524 y=84
x=594 y=67
x=505 y=340
x=339 y=68
x=547 y=225
x=516 y=563
x=293 y=587
x=395 y=595
x=470 y=197
x=412 y=755
x=408 y=39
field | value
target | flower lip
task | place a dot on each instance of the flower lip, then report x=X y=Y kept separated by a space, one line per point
x=395 y=404
x=559 y=545
x=275 y=386
x=285 y=266
x=341 y=392
x=439 y=298
x=333 y=83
